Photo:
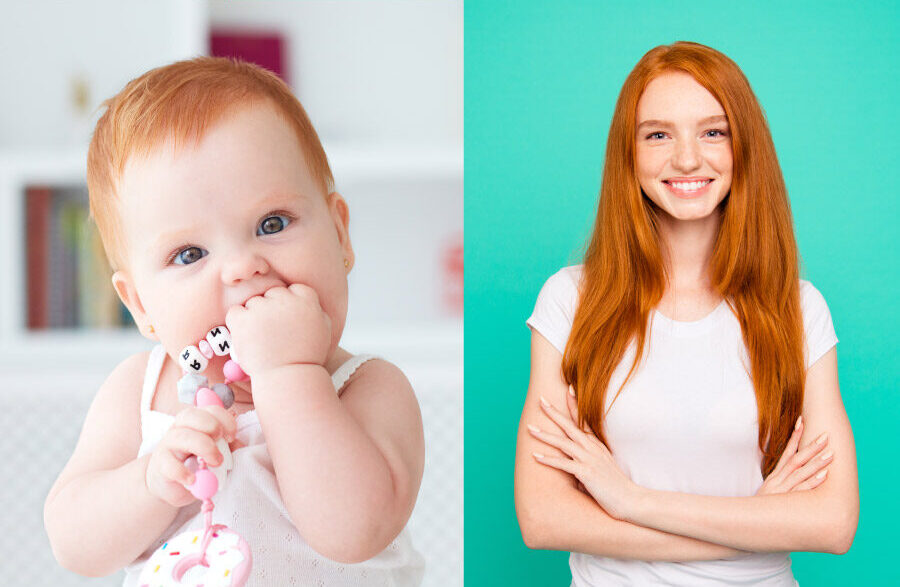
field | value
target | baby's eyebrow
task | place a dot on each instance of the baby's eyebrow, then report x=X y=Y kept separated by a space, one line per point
x=279 y=199
x=171 y=236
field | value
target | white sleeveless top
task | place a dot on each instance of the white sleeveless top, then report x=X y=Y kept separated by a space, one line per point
x=685 y=422
x=250 y=503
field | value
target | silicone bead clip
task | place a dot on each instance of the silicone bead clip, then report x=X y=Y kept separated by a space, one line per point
x=192 y=360
x=205 y=484
x=207 y=397
x=234 y=372
x=220 y=340
x=205 y=349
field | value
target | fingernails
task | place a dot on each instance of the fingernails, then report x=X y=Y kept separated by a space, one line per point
x=822 y=439
x=827 y=455
x=537 y=455
x=533 y=428
x=571 y=391
x=822 y=474
x=799 y=422
x=544 y=402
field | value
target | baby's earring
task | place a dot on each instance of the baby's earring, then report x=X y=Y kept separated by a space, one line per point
x=346 y=262
x=151 y=330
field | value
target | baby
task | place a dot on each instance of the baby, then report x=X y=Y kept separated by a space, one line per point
x=215 y=203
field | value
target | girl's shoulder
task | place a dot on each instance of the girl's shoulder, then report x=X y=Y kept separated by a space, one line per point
x=568 y=276
x=562 y=287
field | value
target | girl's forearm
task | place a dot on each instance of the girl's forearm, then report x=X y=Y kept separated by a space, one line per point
x=560 y=517
x=795 y=521
x=338 y=487
x=102 y=521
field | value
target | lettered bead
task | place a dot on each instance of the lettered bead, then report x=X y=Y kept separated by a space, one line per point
x=192 y=360
x=220 y=340
x=188 y=386
x=225 y=394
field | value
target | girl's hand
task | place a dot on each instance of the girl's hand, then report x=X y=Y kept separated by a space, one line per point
x=194 y=432
x=587 y=459
x=285 y=325
x=798 y=470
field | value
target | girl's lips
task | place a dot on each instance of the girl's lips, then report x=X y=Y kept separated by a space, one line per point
x=688 y=195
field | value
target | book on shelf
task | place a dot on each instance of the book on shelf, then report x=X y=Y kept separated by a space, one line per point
x=67 y=276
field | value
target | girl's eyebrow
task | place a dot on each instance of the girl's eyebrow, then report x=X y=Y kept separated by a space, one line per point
x=707 y=120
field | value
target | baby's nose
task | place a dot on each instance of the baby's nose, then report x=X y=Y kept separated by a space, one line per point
x=243 y=265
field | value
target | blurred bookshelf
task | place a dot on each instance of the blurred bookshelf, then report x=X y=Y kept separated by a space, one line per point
x=66 y=273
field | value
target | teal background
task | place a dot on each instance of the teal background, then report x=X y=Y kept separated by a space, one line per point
x=541 y=80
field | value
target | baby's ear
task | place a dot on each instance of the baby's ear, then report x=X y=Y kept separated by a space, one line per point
x=340 y=214
x=124 y=287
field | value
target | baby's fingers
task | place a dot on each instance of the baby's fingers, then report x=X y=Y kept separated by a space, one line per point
x=213 y=421
x=175 y=470
x=184 y=442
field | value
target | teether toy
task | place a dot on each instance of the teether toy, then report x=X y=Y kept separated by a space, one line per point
x=217 y=555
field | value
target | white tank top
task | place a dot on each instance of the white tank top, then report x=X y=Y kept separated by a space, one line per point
x=249 y=502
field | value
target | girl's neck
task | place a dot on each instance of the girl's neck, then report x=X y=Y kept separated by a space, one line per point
x=687 y=246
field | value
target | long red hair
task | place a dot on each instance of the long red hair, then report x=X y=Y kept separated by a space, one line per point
x=754 y=264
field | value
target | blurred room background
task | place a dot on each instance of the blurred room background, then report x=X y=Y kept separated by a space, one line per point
x=382 y=82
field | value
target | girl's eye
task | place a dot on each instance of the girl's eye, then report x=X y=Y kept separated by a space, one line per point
x=188 y=255
x=273 y=224
x=721 y=133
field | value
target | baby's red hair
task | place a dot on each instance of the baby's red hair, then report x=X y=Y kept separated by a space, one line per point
x=181 y=102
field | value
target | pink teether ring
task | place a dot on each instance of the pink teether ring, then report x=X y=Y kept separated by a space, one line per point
x=218 y=557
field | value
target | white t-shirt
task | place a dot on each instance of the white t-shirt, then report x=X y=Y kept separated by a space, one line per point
x=685 y=422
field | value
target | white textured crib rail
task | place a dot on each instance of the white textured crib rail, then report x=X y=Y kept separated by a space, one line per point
x=42 y=417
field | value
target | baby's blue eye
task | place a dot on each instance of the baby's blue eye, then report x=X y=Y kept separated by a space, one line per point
x=189 y=255
x=273 y=224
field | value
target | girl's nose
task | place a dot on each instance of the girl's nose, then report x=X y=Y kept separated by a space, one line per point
x=687 y=156
x=243 y=265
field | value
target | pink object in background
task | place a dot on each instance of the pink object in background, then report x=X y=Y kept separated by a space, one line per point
x=452 y=265
x=264 y=48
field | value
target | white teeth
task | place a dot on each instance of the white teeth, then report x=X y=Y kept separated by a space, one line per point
x=689 y=186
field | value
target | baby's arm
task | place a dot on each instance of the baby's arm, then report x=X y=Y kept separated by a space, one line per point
x=99 y=515
x=348 y=468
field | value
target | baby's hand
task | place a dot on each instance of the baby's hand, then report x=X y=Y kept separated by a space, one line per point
x=194 y=432
x=286 y=325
